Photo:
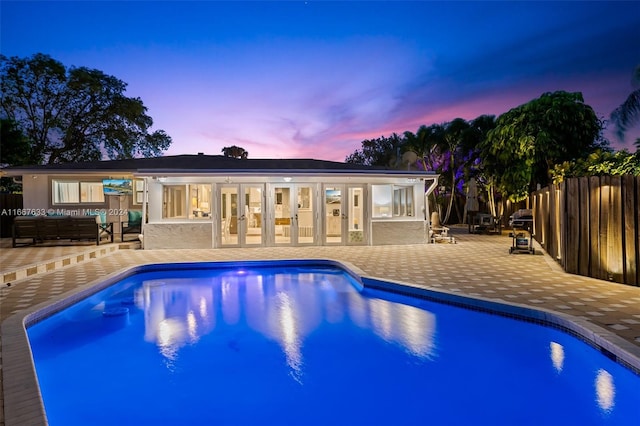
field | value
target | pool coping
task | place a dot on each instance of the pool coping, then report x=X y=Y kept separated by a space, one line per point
x=23 y=401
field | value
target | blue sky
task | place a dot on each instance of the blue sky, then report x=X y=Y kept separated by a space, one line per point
x=296 y=79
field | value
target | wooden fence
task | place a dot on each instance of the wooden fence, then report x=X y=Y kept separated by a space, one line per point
x=591 y=226
x=9 y=205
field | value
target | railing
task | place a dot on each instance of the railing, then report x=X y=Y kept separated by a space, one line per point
x=591 y=226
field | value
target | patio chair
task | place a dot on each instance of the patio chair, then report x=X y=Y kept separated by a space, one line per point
x=438 y=232
x=105 y=229
x=133 y=225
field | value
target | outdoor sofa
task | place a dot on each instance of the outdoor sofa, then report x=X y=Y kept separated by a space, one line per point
x=38 y=229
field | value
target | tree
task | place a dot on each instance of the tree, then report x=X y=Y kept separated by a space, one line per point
x=473 y=164
x=456 y=135
x=14 y=152
x=235 y=152
x=628 y=114
x=424 y=143
x=530 y=139
x=75 y=114
x=450 y=149
x=599 y=163
x=15 y=146
x=382 y=151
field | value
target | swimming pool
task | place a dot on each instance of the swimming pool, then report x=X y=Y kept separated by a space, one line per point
x=304 y=342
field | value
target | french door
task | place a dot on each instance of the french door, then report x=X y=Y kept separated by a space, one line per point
x=241 y=218
x=293 y=218
x=344 y=215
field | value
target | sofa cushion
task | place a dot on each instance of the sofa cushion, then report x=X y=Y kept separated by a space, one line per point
x=101 y=216
x=135 y=217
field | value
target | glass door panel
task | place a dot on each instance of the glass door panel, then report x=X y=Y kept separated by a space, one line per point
x=251 y=225
x=333 y=214
x=283 y=215
x=355 y=216
x=229 y=215
x=305 y=216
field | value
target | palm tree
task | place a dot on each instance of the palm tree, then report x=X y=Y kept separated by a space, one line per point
x=474 y=167
x=453 y=139
x=424 y=143
x=628 y=114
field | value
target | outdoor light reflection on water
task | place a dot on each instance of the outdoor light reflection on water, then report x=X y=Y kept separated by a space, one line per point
x=179 y=312
x=290 y=340
x=605 y=390
x=557 y=356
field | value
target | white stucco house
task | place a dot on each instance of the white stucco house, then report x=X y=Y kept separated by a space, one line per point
x=211 y=201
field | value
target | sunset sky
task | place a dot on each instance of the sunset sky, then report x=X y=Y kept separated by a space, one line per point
x=306 y=79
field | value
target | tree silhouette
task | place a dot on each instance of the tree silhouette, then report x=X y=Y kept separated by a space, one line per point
x=628 y=114
x=74 y=114
x=235 y=152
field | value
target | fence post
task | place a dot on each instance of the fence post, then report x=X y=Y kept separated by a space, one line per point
x=615 y=234
x=546 y=233
x=594 y=226
x=584 y=229
x=571 y=227
x=603 y=230
x=631 y=231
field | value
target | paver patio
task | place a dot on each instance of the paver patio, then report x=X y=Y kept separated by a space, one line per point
x=478 y=265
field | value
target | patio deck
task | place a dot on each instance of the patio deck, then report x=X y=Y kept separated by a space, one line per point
x=478 y=265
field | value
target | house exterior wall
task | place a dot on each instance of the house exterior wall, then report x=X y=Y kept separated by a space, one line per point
x=36 y=193
x=204 y=230
x=161 y=233
x=38 y=200
x=192 y=235
x=405 y=232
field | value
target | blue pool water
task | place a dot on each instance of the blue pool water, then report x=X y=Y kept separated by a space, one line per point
x=307 y=345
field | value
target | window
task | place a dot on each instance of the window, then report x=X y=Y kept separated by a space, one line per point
x=186 y=201
x=91 y=192
x=392 y=201
x=381 y=196
x=138 y=191
x=304 y=198
x=75 y=192
x=403 y=201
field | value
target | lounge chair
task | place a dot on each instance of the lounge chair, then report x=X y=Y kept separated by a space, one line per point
x=438 y=232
